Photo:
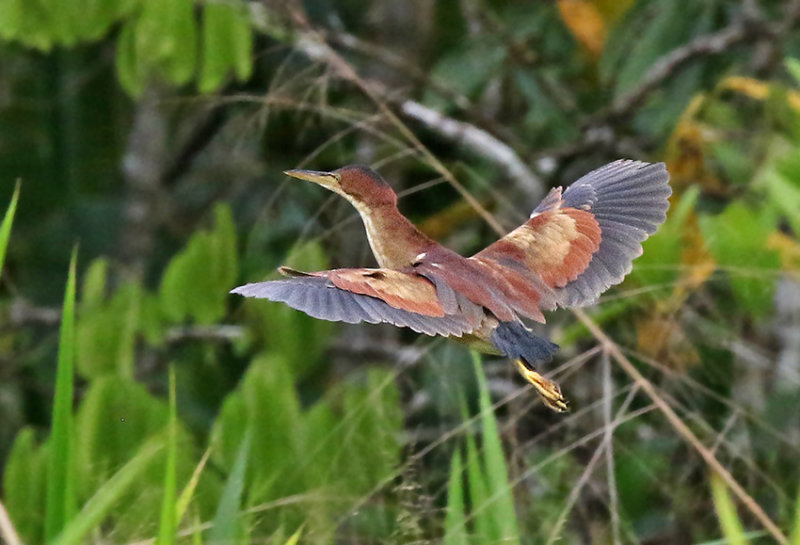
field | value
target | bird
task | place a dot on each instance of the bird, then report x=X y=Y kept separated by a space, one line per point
x=575 y=245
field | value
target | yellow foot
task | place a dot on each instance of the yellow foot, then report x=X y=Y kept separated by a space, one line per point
x=549 y=391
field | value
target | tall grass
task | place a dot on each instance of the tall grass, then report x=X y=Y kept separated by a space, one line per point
x=61 y=497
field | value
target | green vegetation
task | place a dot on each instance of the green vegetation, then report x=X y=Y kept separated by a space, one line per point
x=141 y=150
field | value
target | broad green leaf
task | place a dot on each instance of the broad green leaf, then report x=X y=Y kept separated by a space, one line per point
x=455 y=522
x=116 y=417
x=227 y=44
x=267 y=400
x=107 y=329
x=108 y=496
x=466 y=69
x=129 y=72
x=93 y=291
x=61 y=494
x=11 y=13
x=793 y=67
x=737 y=239
x=182 y=63
x=5 y=227
x=299 y=338
x=197 y=280
x=24 y=486
x=225 y=527
x=659 y=264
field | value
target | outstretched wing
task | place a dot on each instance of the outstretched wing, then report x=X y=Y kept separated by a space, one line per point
x=576 y=245
x=629 y=200
x=364 y=295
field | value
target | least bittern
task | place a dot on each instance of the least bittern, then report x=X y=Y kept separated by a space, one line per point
x=576 y=244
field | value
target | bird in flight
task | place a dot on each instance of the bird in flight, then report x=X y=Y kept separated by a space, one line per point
x=575 y=245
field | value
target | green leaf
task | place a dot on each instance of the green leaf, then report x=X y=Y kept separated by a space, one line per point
x=167 y=527
x=455 y=522
x=729 y=519
x=299 y=338
x=782 y=180
x=107 y=330
x=197 y=281
x=224 y=527
x=793 y=67
x=660 y=263
x=24 y=485
x=11 y=13
x=61 y=499
x=227 y=44
x=129 y=72
x=108 y=496
x=267 y=395
x=5 y=227
x=737 y=239
x=115 y=419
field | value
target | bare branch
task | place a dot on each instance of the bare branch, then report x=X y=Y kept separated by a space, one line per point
x=480 y=143
x=214 y=333
x=477 y=140
x=681 y=428
x=665 y=67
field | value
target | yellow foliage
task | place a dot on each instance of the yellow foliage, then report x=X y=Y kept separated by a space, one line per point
x=662 y=338
x=685 y=155
x=586 y=24
x=788 y=250
x=756 y=89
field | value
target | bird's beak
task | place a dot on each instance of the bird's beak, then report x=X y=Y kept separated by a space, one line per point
x=325 y=179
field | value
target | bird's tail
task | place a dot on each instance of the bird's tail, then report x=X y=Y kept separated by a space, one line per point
x=526 y=349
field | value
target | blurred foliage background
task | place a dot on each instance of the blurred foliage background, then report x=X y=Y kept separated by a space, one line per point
x=149 y=137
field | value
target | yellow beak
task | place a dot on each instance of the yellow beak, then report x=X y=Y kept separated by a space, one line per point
x=325 y=179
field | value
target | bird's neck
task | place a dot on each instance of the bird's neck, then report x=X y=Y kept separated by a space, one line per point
x=395 y=241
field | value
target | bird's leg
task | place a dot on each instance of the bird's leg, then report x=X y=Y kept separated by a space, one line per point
x=549 y=391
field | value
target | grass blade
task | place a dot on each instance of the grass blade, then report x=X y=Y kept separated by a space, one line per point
x=106 y=497
x=294 y=539
x=455 y=529
x=188 y=491
x=729 y=519
x=500 y=501
x=61 y=500
x=224 y=528
x=795 y=538
x=166 y=530
x=5 y=227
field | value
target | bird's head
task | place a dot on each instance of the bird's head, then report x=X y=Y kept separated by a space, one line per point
x=358 y=184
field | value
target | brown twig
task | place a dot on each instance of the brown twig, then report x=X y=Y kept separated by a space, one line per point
x=681 y=428
x=475 y=139
x=668 y=65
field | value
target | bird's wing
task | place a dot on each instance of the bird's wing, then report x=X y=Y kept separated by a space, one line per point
x=368 y=295
x=576 y=245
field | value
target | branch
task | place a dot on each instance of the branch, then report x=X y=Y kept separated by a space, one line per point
x=477 y=140
x=665 y=67
x=681 y=428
